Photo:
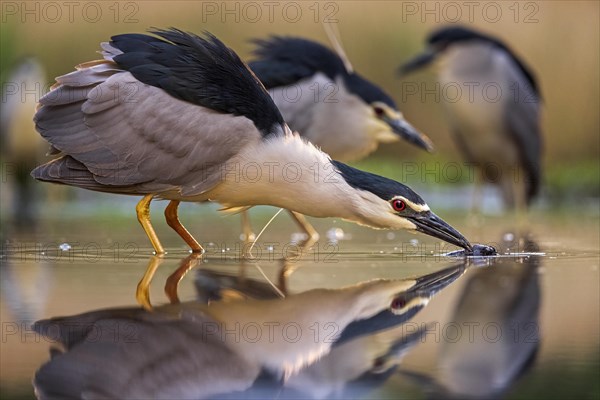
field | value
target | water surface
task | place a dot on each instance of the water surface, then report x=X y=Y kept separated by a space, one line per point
x=521 y=325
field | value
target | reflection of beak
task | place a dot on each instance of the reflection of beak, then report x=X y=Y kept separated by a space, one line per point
x=425 y=287
x=407 y=132
x=420 y=61
x=430 y=284
x=432 y=225
x=401 y=345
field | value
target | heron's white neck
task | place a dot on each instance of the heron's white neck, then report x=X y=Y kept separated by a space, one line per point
x=285 y=171
x=288 y=172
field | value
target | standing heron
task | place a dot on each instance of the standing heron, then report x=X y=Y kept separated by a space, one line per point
x=323 y=99
x=495 y=121
x=180 y=117
x=21 y=148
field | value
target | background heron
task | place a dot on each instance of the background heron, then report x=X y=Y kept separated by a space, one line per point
x=21 y=148
x=323 y=99
x=181 y=117
x=495 y=120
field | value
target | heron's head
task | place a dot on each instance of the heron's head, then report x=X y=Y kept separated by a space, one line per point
x=387 y=204
x=385 y=122
x=439 y=41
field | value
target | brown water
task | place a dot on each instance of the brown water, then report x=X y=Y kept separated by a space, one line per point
x=534 y=314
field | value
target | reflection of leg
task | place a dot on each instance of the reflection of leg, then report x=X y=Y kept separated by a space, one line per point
x=173 y=221
x=173 y=280
x=143 y=214
x=312 y=234
x=142 y=293
x=290 y=263
x=249 y=236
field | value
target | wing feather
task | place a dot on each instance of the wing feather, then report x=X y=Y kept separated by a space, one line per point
x=118 y=133
x=522 y=119
x=127 y=133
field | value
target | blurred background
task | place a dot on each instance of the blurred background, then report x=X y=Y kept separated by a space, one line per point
x=560 y=40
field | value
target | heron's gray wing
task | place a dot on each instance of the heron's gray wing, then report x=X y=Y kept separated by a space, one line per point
x=522 y=118
x=126 y=136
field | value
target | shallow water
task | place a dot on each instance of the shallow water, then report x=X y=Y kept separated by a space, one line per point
x=524 y=324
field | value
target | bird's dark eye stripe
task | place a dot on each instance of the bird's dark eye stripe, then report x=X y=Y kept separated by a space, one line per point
x=398 y=205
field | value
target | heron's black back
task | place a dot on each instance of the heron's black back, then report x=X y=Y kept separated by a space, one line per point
x=199 y=70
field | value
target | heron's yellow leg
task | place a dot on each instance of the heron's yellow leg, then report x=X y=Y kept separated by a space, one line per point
x=173 y=221
x=142 y=294
x=143 y=214
x=249 y=236
x=302 y=222
x=173 y=280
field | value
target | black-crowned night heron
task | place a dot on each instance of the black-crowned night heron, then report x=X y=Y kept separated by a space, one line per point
x=181 y=117
x=323 y=100
x=195 y=350
x=495 y=117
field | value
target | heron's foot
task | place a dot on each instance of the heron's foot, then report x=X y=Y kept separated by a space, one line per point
x=172 y=217
x=143 y=214
x=312 y=236
x=309 y=241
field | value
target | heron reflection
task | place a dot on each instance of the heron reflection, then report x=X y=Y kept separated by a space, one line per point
x=198 y=350
x=498 y=313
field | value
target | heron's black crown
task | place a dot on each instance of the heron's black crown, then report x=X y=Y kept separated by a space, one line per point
x=455 y=34
x=385 y=188
x=283 y=61
x=199 y=70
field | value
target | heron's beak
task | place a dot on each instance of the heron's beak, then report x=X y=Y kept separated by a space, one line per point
x=419 y=62
x=407 y=132
x=432 y=225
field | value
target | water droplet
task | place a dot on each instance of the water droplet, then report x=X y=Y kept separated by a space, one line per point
x=414 y=242
x=390 y=235
x=65 y=247
x=335 y=234
x=509 y=237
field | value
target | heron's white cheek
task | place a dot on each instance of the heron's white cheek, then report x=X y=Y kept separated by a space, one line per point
x=403 y=223
x=380 y=131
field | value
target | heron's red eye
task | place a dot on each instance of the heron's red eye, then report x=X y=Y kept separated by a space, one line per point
x=398 y=205
x=398 y=303
x=379 y=111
